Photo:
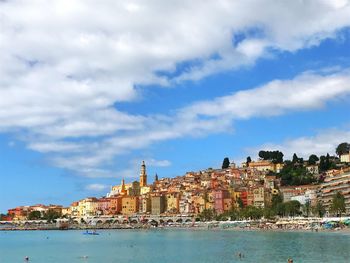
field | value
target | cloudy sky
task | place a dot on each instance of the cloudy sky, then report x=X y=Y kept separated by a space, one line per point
x=90 y=89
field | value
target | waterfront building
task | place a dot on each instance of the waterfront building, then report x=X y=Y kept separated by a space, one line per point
x=145 y=203
x=38 y=208
x=185 y=202
x=336 y=182
x=103 y=206
x=158 y=204
x=115 y=205
x=259 y=197
x=66 y=211
x=74 y=209
x=222 y=201
x=250 y=195
x=18 y=213
x=290 y=191
x=130 y=205
x=88 y=207
x=244 y=196
x=199 y=200
x=173 y=202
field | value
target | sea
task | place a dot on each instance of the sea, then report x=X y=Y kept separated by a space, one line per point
x=173 y=246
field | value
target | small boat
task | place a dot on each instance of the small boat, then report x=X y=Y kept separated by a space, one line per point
x=87 y=232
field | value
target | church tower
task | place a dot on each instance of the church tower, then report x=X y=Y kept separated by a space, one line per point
x=123 y=190
x=143 y=175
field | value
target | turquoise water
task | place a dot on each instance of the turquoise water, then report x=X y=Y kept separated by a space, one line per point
x=172 y=246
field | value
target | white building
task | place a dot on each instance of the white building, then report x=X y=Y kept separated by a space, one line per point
x=345 y=158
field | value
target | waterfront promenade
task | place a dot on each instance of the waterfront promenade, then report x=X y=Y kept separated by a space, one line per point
x=297 y=223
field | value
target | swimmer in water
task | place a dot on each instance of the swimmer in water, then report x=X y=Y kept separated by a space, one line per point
x=26 y=258
x=240 y=255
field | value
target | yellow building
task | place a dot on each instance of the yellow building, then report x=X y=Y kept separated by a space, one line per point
x=88 y=207
x=66 y=211
x=234 y=196
x=259 y=197
x=130 y=205
x=145 y=190
x=209 y=204
x=74 y=209
x=145 y=203
x=120 y=189
x=228 y=204
x=172 y=203
x=262 y=166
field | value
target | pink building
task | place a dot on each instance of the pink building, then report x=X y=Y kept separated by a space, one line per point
x=220 y=200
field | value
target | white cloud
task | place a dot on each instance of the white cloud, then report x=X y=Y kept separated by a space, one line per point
x=96 y=187
x=158 y=163
x=66 y=65
x=304 y=92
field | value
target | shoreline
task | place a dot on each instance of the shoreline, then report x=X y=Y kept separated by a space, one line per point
x=179 y=227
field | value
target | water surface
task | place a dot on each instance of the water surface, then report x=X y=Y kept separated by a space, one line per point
x=172 y=246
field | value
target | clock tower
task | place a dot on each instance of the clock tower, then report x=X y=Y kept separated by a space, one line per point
x=143 y=175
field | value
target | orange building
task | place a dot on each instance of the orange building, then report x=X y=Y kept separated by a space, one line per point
x=130 y=205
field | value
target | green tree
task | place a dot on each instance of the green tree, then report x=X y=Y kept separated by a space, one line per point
x=51 y=215
x=292 y=174
x=249 y=160
x=338 y=204
x=2 y=217
x=240 y=202
x=313 y=159
x=326 y=163
x=262 y=154
x=207 y=215
x=34 y=215
x=274 y=156
x=307 y=208
x=292 y=208
x=322 y=166
x=342 y=148
x=279 y=157
x=295 y=158
x=269 y=213
x=251 y=212
x=225 y=163
x=319 y=209
x=276 y=200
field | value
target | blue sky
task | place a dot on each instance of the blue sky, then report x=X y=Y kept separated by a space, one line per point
x=179 y=85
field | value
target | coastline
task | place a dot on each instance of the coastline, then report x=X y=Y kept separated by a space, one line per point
x=201 y=226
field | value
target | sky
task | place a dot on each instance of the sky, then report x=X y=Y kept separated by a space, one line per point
x=90 y=89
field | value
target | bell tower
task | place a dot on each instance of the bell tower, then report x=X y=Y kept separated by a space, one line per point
x=143 y=175
x=123 y=190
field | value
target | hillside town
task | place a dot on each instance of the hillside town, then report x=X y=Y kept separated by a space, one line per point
x=264 y=188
